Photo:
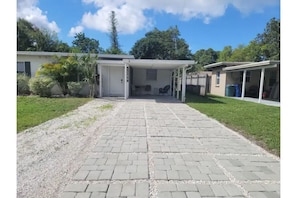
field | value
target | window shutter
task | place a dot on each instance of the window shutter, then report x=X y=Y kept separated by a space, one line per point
x=28 y=69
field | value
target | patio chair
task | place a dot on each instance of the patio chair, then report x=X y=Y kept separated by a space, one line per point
x=164 y=89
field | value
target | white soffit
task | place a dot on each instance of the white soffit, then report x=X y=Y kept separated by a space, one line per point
x=157 y=64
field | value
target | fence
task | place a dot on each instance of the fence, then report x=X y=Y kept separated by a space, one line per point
x=198 y=83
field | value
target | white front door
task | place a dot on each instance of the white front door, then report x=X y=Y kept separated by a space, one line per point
x=116 y=81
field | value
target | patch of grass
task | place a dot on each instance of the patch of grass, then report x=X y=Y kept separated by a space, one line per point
x=65 y=126
x=259 y=123
x=106 y=107
x=34 y=110
x=88 y=121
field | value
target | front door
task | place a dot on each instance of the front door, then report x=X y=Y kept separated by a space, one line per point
x=116 y=81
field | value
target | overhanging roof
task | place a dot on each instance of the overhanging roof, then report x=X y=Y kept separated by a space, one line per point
x=157 y=64
x=226 y=64
x=103 y=56
x=254 y=65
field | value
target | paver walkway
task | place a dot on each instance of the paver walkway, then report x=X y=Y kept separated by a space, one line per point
x=167 y=149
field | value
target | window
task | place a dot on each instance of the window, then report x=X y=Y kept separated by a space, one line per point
x=247 y=77
x=218 y=78
x=151 y=74
x=24 y=67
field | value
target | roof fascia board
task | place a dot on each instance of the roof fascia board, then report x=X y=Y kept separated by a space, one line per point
x=253 y=66
x=35 y=53
x=224 y=64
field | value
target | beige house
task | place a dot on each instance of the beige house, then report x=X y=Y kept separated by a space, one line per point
x=259 y=80
x=122 y=75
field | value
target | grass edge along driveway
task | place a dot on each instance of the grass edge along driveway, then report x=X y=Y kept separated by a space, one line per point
x=34 y=110
x=258 y=122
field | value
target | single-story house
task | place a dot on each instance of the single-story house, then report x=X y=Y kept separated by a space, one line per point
x=122 y=75
x=258 y=79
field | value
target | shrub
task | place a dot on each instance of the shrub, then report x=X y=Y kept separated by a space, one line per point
x=41 y=86
x=75 y=87
x=23 y=84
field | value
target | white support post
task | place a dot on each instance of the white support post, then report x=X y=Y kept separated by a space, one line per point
x=243 y=84
x=184 y=82
x=261 y=84
x=174 y=80
x=178 y=84
x=100 y=81
x=125 y=81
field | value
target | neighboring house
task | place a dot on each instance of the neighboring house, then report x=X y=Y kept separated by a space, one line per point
x=121 y=75
x=258 y=79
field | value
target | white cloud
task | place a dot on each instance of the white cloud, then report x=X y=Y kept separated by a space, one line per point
x=74 y=30
x=131 y=18
x=28 y=10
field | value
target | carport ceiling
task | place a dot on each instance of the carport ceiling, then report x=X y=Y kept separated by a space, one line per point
x=157 y=64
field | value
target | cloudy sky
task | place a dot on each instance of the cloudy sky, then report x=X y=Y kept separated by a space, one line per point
x=202 y=23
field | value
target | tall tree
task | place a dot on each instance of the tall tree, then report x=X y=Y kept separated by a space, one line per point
x=162 y=45
x=269 y=40
x=25 y=35
x=113 y=36
x=85 y=44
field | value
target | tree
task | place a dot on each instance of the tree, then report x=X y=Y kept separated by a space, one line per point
x=238 y=54
x=225 y=54
x=85 y=44
x=25 y=35
x=32 y=38
x=162 y=45
x=269 y=40
x=115 y=47
x=44 y=40
x=204 y=57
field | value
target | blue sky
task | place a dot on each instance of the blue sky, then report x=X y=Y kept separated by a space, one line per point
x=202 y=23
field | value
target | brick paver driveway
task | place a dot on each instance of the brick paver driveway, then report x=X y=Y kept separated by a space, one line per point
x=163 y=148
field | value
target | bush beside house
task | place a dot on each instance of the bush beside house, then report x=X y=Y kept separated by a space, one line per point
x=23 y=84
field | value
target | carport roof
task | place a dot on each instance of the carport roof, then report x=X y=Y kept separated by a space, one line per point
x=255 y=65
x=148 y=63
x=158 y=64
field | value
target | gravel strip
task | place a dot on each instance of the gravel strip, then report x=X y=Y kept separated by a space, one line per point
x=49 y=154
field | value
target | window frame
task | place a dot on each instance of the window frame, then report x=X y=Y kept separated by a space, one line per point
x=218 y=78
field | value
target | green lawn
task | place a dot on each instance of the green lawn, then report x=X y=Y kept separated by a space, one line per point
x=34 y=110
x=258 y=122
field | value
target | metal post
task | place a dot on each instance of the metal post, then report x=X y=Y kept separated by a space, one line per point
x=184 y=79
x=243 y=84
x=261 y=84
x=100 y=81
x=174 y=80
x=125 y=81
x=178 y=84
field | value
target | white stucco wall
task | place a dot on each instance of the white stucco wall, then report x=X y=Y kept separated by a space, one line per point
x=163 y=79
x=35 y=61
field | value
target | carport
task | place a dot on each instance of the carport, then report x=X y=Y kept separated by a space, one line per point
x=118 y=78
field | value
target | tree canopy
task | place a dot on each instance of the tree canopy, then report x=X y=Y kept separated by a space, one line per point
x=32 y=38
x=205 y=57
x=85 y=44
x=159 y=44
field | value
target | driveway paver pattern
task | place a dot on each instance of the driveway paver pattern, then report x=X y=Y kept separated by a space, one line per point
x=166 y=149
